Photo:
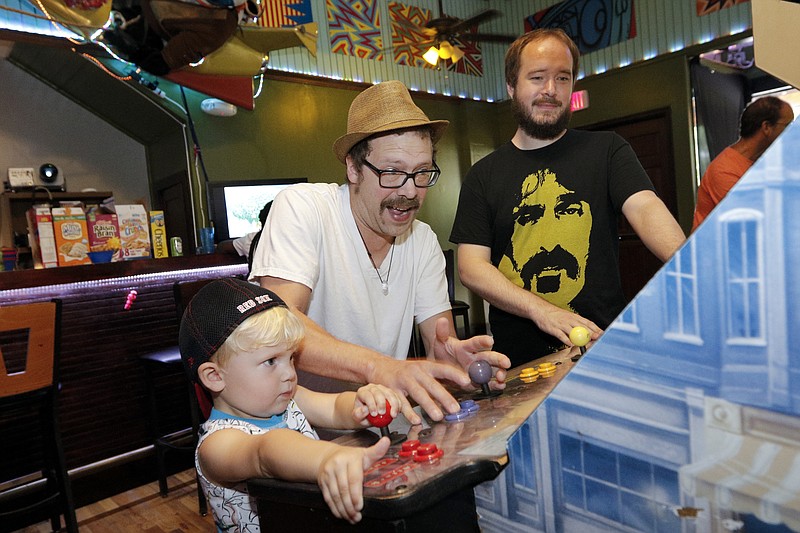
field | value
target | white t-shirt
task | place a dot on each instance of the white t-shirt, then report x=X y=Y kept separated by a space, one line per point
x=311 y=238
x=242 y=244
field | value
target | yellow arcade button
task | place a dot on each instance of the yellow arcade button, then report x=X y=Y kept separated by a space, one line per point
x=547 y=369
x=529 y=375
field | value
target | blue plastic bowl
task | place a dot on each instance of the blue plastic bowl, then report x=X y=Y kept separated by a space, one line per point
x=103 y=256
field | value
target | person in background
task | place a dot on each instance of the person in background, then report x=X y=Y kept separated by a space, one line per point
x=238 y=341
x=244 y=246
x=355 y=263
x=536 y=223
x=761 y=123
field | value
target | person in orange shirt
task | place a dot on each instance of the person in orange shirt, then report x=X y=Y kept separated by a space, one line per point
x=761 y=123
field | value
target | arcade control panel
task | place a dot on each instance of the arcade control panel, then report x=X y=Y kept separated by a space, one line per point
x=428 y=463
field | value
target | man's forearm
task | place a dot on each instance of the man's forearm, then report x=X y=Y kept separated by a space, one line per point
x=323 y=354
x=486 y=281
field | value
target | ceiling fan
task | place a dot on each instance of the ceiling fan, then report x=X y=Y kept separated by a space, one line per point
x=442 y=31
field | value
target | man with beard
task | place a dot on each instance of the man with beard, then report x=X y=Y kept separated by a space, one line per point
x=356 y=264
x=536 y=224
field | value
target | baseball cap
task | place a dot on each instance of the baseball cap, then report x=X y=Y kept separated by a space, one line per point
x=214 y=313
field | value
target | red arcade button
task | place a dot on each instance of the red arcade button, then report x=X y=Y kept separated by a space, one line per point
x=409 y=448
x=428 y=452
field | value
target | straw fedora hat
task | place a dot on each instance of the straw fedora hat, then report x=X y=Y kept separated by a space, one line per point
x=383 y=107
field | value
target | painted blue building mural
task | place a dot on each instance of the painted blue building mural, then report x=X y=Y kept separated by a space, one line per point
x=685 y=416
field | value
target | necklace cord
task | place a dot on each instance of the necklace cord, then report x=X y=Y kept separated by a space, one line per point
x=384 y=283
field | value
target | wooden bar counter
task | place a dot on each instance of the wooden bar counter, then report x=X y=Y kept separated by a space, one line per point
x=103 y=407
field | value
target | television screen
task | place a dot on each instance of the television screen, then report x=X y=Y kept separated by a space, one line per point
x=235 y=205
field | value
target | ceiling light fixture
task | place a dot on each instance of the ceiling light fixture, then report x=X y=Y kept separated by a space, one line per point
x=432 y=55
x=445 y=51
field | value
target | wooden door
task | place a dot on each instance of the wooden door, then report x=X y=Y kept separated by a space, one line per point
x=650 y=137
x=174 y=198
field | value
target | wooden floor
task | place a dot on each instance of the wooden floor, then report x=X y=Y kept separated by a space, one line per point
x=143 y=509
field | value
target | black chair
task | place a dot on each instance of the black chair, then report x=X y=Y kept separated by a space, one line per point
x=460 y=309
x=416 y=349
x=29 y=356
x=165 y=362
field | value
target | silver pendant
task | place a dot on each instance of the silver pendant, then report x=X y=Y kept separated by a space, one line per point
x=385 y=287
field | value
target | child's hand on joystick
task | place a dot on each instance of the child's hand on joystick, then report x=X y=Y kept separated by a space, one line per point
x=382 y=421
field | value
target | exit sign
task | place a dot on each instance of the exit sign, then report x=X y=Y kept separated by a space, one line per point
x=579 y=100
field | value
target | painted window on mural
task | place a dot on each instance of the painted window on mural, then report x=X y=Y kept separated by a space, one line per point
x=682 y=303
x=744 y=274
x=618 y=488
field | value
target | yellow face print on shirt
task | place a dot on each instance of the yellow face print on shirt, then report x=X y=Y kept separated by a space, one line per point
x=550 y=242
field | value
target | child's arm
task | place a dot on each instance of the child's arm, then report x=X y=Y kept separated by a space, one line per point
x=230 y=456
x=347 y=410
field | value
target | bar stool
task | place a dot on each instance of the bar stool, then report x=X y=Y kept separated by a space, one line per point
x=29 y=355
x=157 y=364
x=460 y=309
x=163 y=362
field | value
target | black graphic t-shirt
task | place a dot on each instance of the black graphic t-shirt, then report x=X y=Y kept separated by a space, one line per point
x=550 y=218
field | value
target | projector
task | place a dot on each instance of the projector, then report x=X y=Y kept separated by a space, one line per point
x=48 y=176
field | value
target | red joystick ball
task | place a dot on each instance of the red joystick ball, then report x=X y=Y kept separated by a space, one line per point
x=381 y=420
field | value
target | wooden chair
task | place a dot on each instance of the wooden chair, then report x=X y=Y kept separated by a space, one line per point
x=29 y=355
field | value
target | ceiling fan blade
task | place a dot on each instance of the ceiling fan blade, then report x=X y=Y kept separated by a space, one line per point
x=422 y=30
x=421 y=45
x=474 y=20
x=486 y=37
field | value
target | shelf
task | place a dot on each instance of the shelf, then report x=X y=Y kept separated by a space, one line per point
x=56 y=195
x=14 y=204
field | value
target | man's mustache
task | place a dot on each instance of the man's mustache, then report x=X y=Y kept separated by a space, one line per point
x=556 y=259
x=402 y=203
x=549 y=101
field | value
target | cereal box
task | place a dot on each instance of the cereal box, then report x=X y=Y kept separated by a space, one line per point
x=159 y=233
x=72 y=240
x=134 y=231
x=103 y=231
x=41 y=237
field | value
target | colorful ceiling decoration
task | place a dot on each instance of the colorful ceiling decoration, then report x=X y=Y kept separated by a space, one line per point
x=592 y=24
x=408 y=42
x=354 y=28
x=704 y=7
x=285 y=13
x=472 y=62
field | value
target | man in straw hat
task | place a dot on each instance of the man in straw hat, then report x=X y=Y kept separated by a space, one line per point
x=354 y=260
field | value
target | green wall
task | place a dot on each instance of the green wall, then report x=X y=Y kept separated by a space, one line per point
x=294 y=124
x=292 y=128
x=656 y=84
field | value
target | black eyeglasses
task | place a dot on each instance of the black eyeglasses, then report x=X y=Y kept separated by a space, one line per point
x=394 y=179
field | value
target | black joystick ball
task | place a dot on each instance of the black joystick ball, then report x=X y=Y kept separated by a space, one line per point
x=480 y=372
